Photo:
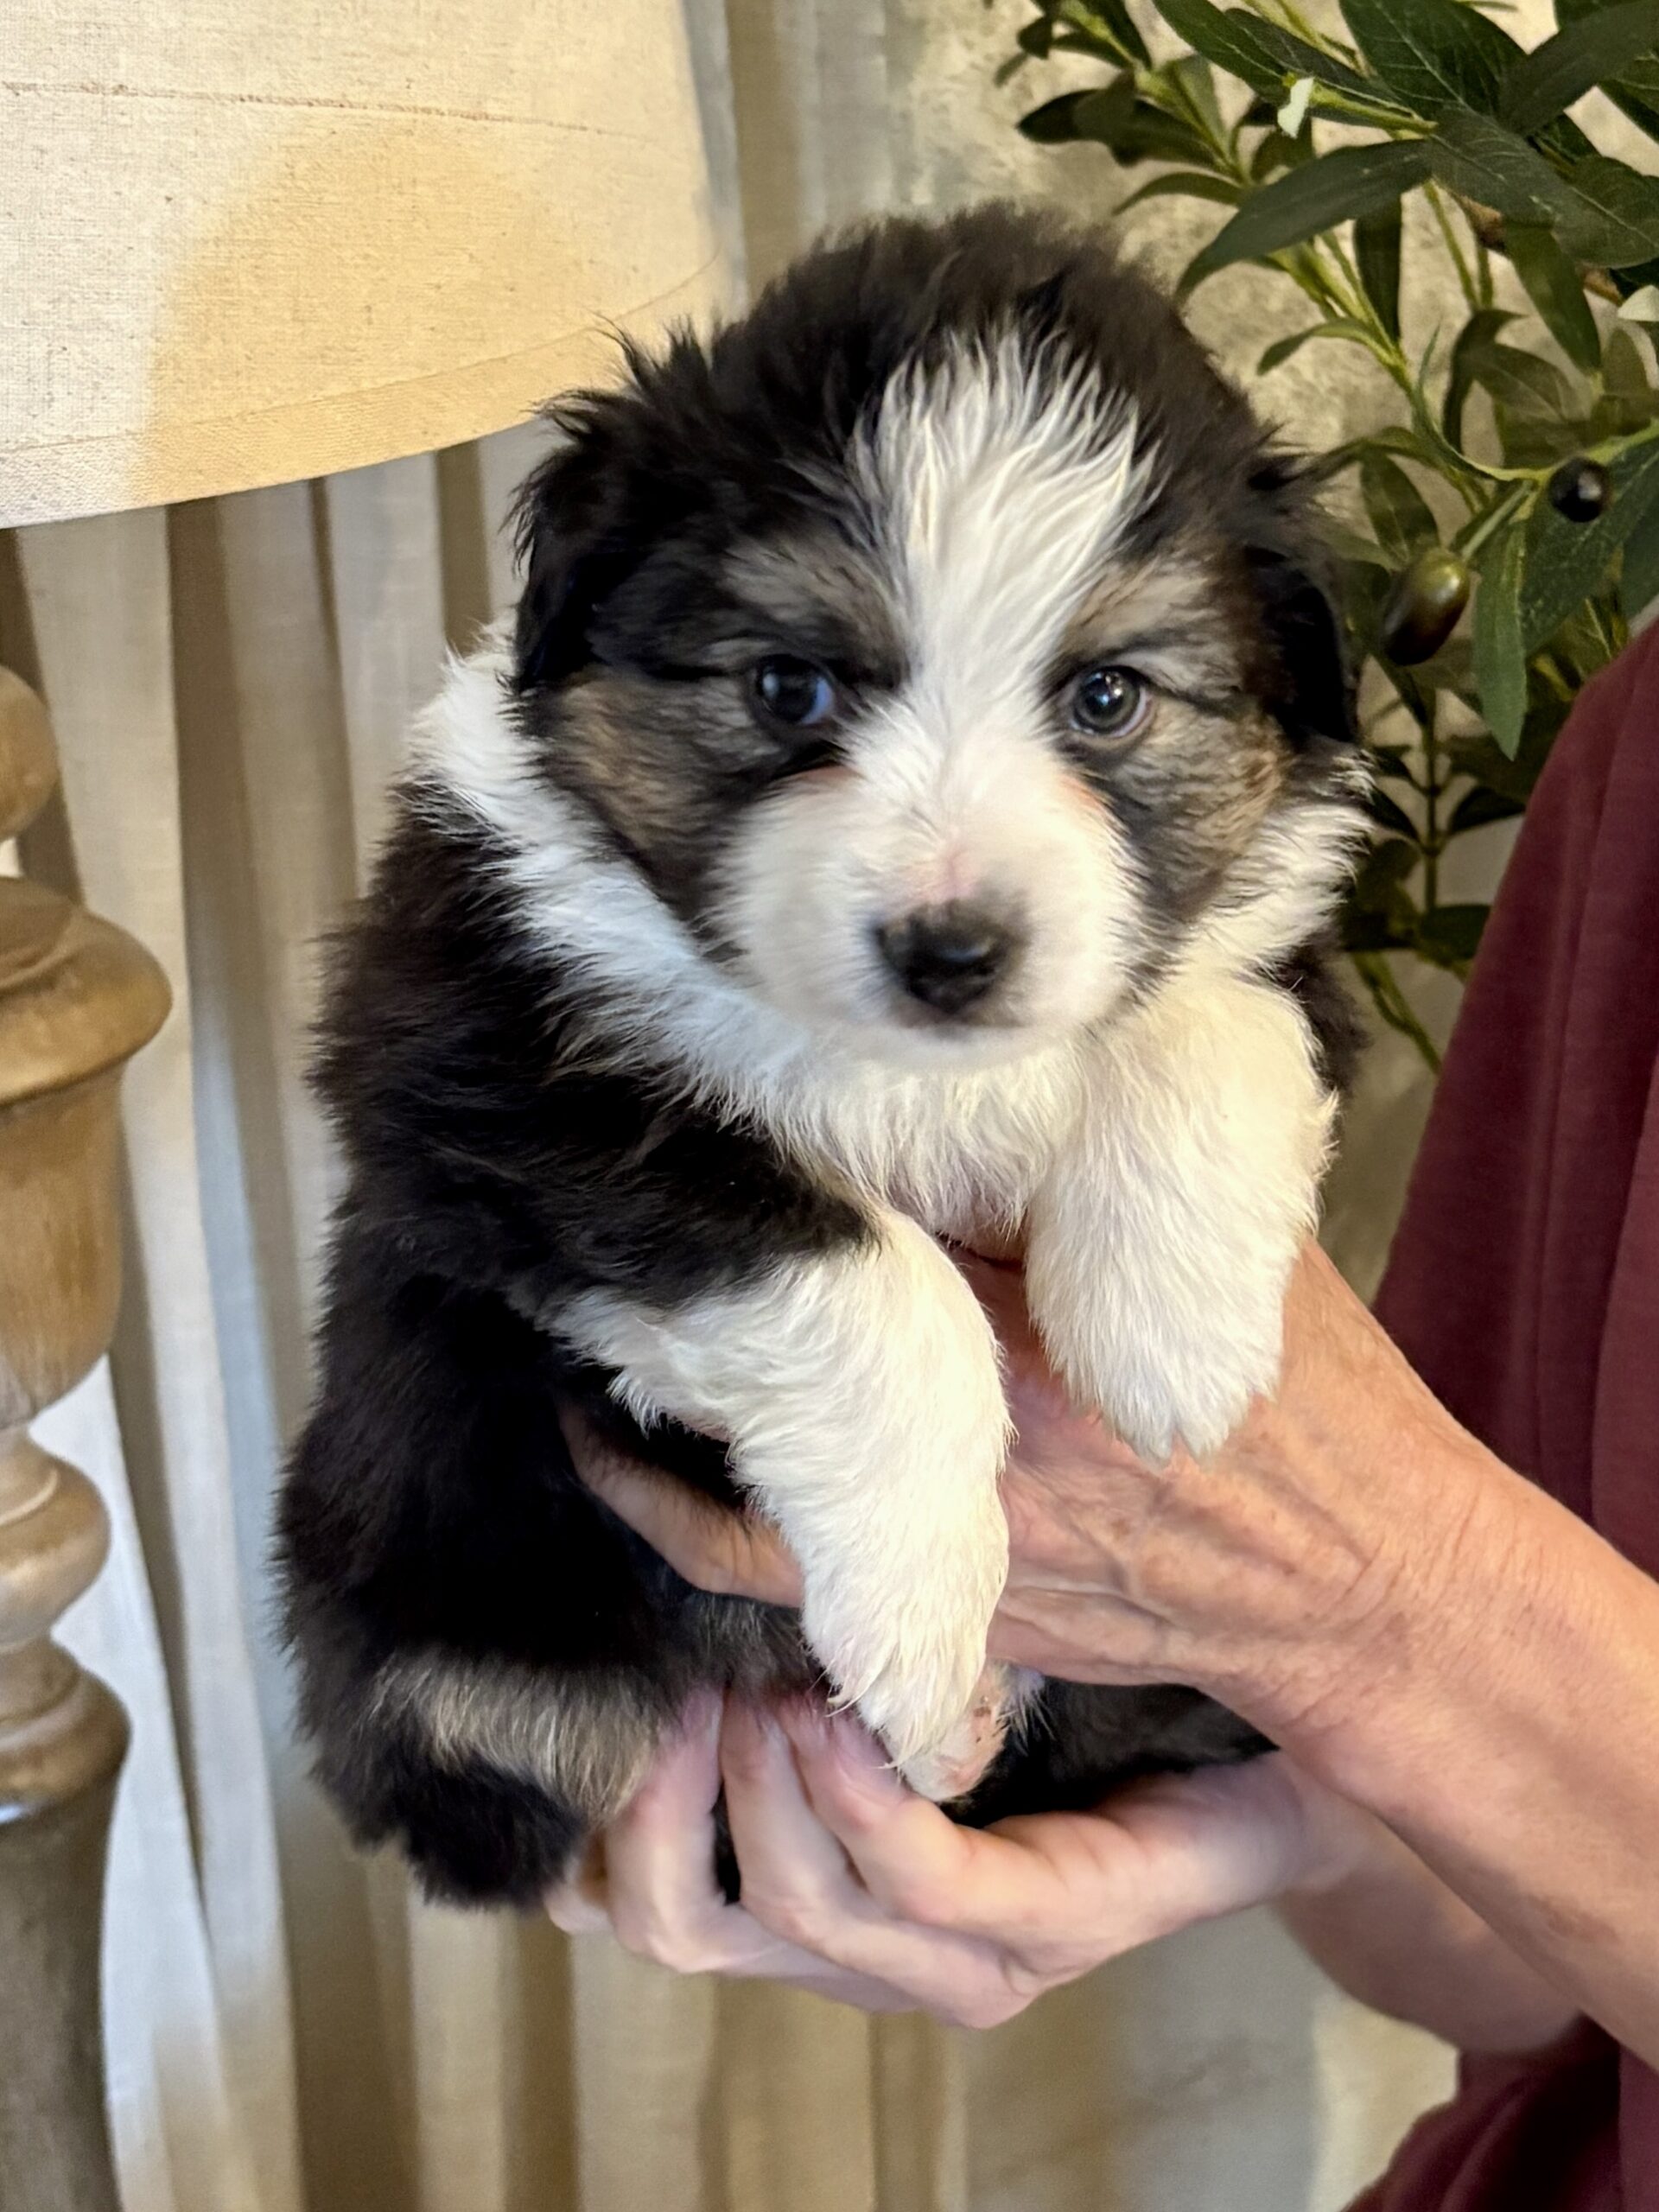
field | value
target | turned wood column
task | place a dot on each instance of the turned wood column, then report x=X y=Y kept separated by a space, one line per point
x=77 y=998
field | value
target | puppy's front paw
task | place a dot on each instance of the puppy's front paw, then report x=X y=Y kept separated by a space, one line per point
x=1168 y=1355
x=967 y=1755
x=1197 y=1400
x=900 y=1624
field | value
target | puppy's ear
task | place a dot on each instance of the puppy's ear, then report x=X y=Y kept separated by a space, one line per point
x=567 y=529
x=1310 y=689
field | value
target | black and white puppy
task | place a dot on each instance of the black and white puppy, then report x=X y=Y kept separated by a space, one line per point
x=909 y=807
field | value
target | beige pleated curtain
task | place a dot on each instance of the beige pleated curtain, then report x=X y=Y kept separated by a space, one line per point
x=290 y=2030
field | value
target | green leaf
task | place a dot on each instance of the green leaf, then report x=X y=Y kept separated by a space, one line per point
x=1151 y=135
x=1380 y=912
x=1380 y=877
x=1541 y=442
x=1614 y=417
x=1565 y=140
x=1450 y=936
x=1639 y=583
x=1196 y=82
x=1036 y=39
x=1382 y=810
x=1349 y=545
x=1338 y=326
x=1296 y=57
x=1473 y=156
x=1376 y=255
x=1055 y=123
x=1353 y=182
x=1474 y=754
x=1565 y=560
x=1500 y=661
x=1636 y=91
x=1106 y=24
x=1131 y=128
x=1642 y=113
x=1435 y=54
x=1393 y=437
x=1390 y=761
x=1184 y=184
x=1266 y=58
x=1480 y=806
x=1401 y=518
x=1520 y=380
x=1274 y=150
x=1556 y=291
x=1477 y=332
x=1229 y=40
x=1581 y=54
x=1391 y=1003
x=1612 y=215
x=1623 y=372
x=1452 y=669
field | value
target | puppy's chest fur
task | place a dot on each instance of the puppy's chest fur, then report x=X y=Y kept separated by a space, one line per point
x=960 y=1154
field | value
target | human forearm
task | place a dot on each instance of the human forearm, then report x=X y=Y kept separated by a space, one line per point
x=1392 y=1935
x=1517 y=1748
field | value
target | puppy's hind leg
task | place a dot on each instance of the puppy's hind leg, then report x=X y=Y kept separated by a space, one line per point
x=490 y=1775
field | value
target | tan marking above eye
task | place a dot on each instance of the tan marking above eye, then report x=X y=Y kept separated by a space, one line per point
x=1175 y=599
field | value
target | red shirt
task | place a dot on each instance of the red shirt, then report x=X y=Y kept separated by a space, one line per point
x=1524 y=1288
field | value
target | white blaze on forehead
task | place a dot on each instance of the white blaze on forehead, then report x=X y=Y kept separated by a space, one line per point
x=999 y=481
x=1002 y=479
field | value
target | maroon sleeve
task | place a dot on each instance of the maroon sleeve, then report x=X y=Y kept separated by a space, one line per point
x=1524 y=1288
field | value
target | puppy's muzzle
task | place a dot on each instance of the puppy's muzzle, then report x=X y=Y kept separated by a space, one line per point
x=951 y=958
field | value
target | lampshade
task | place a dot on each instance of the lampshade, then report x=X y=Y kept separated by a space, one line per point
x=243 y=241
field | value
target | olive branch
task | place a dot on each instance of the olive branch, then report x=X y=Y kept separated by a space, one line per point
x=1311 y=145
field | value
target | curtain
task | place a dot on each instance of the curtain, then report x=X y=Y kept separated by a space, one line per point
x=290 y=2029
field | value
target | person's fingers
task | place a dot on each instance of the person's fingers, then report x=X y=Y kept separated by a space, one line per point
x=577 y=1905
x=913 y=1860
x=796 y=1882
x=1178 y=1848
x=576 y=1914
x=1060 y=1888
x=1239 y=1835
x=730 y=1554
x=660 y=1891
x=650 y=1882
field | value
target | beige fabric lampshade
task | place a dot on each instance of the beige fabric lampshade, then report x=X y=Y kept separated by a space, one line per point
x=244 y=241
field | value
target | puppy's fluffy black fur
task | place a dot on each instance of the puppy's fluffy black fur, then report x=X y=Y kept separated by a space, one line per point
x=510 y=1144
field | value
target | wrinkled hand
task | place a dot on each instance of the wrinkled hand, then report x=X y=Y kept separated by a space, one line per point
x=857 y=1889
x=1281 y=1576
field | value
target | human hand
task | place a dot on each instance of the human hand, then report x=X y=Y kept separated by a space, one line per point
x=856 y=1888
x=1282 y=1576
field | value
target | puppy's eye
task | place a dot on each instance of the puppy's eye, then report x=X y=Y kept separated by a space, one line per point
x=794 y=691
x=1109 y=702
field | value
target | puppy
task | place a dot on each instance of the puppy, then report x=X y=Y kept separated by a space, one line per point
x=908 y=807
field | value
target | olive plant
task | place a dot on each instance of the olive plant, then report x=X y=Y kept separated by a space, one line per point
x=1310 y=143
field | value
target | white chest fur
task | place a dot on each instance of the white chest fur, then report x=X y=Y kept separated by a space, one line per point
x=961 y=1153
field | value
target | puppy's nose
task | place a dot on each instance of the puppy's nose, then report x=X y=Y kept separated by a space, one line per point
x=948 y=957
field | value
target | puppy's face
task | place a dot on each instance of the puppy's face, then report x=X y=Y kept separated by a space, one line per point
x=946 y=713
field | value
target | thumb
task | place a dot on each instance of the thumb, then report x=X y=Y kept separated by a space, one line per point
x=1241 y=1835
x=713 y=1546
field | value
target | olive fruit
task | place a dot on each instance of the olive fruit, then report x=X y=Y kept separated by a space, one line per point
x=1423 y=607
x=1581 y=490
